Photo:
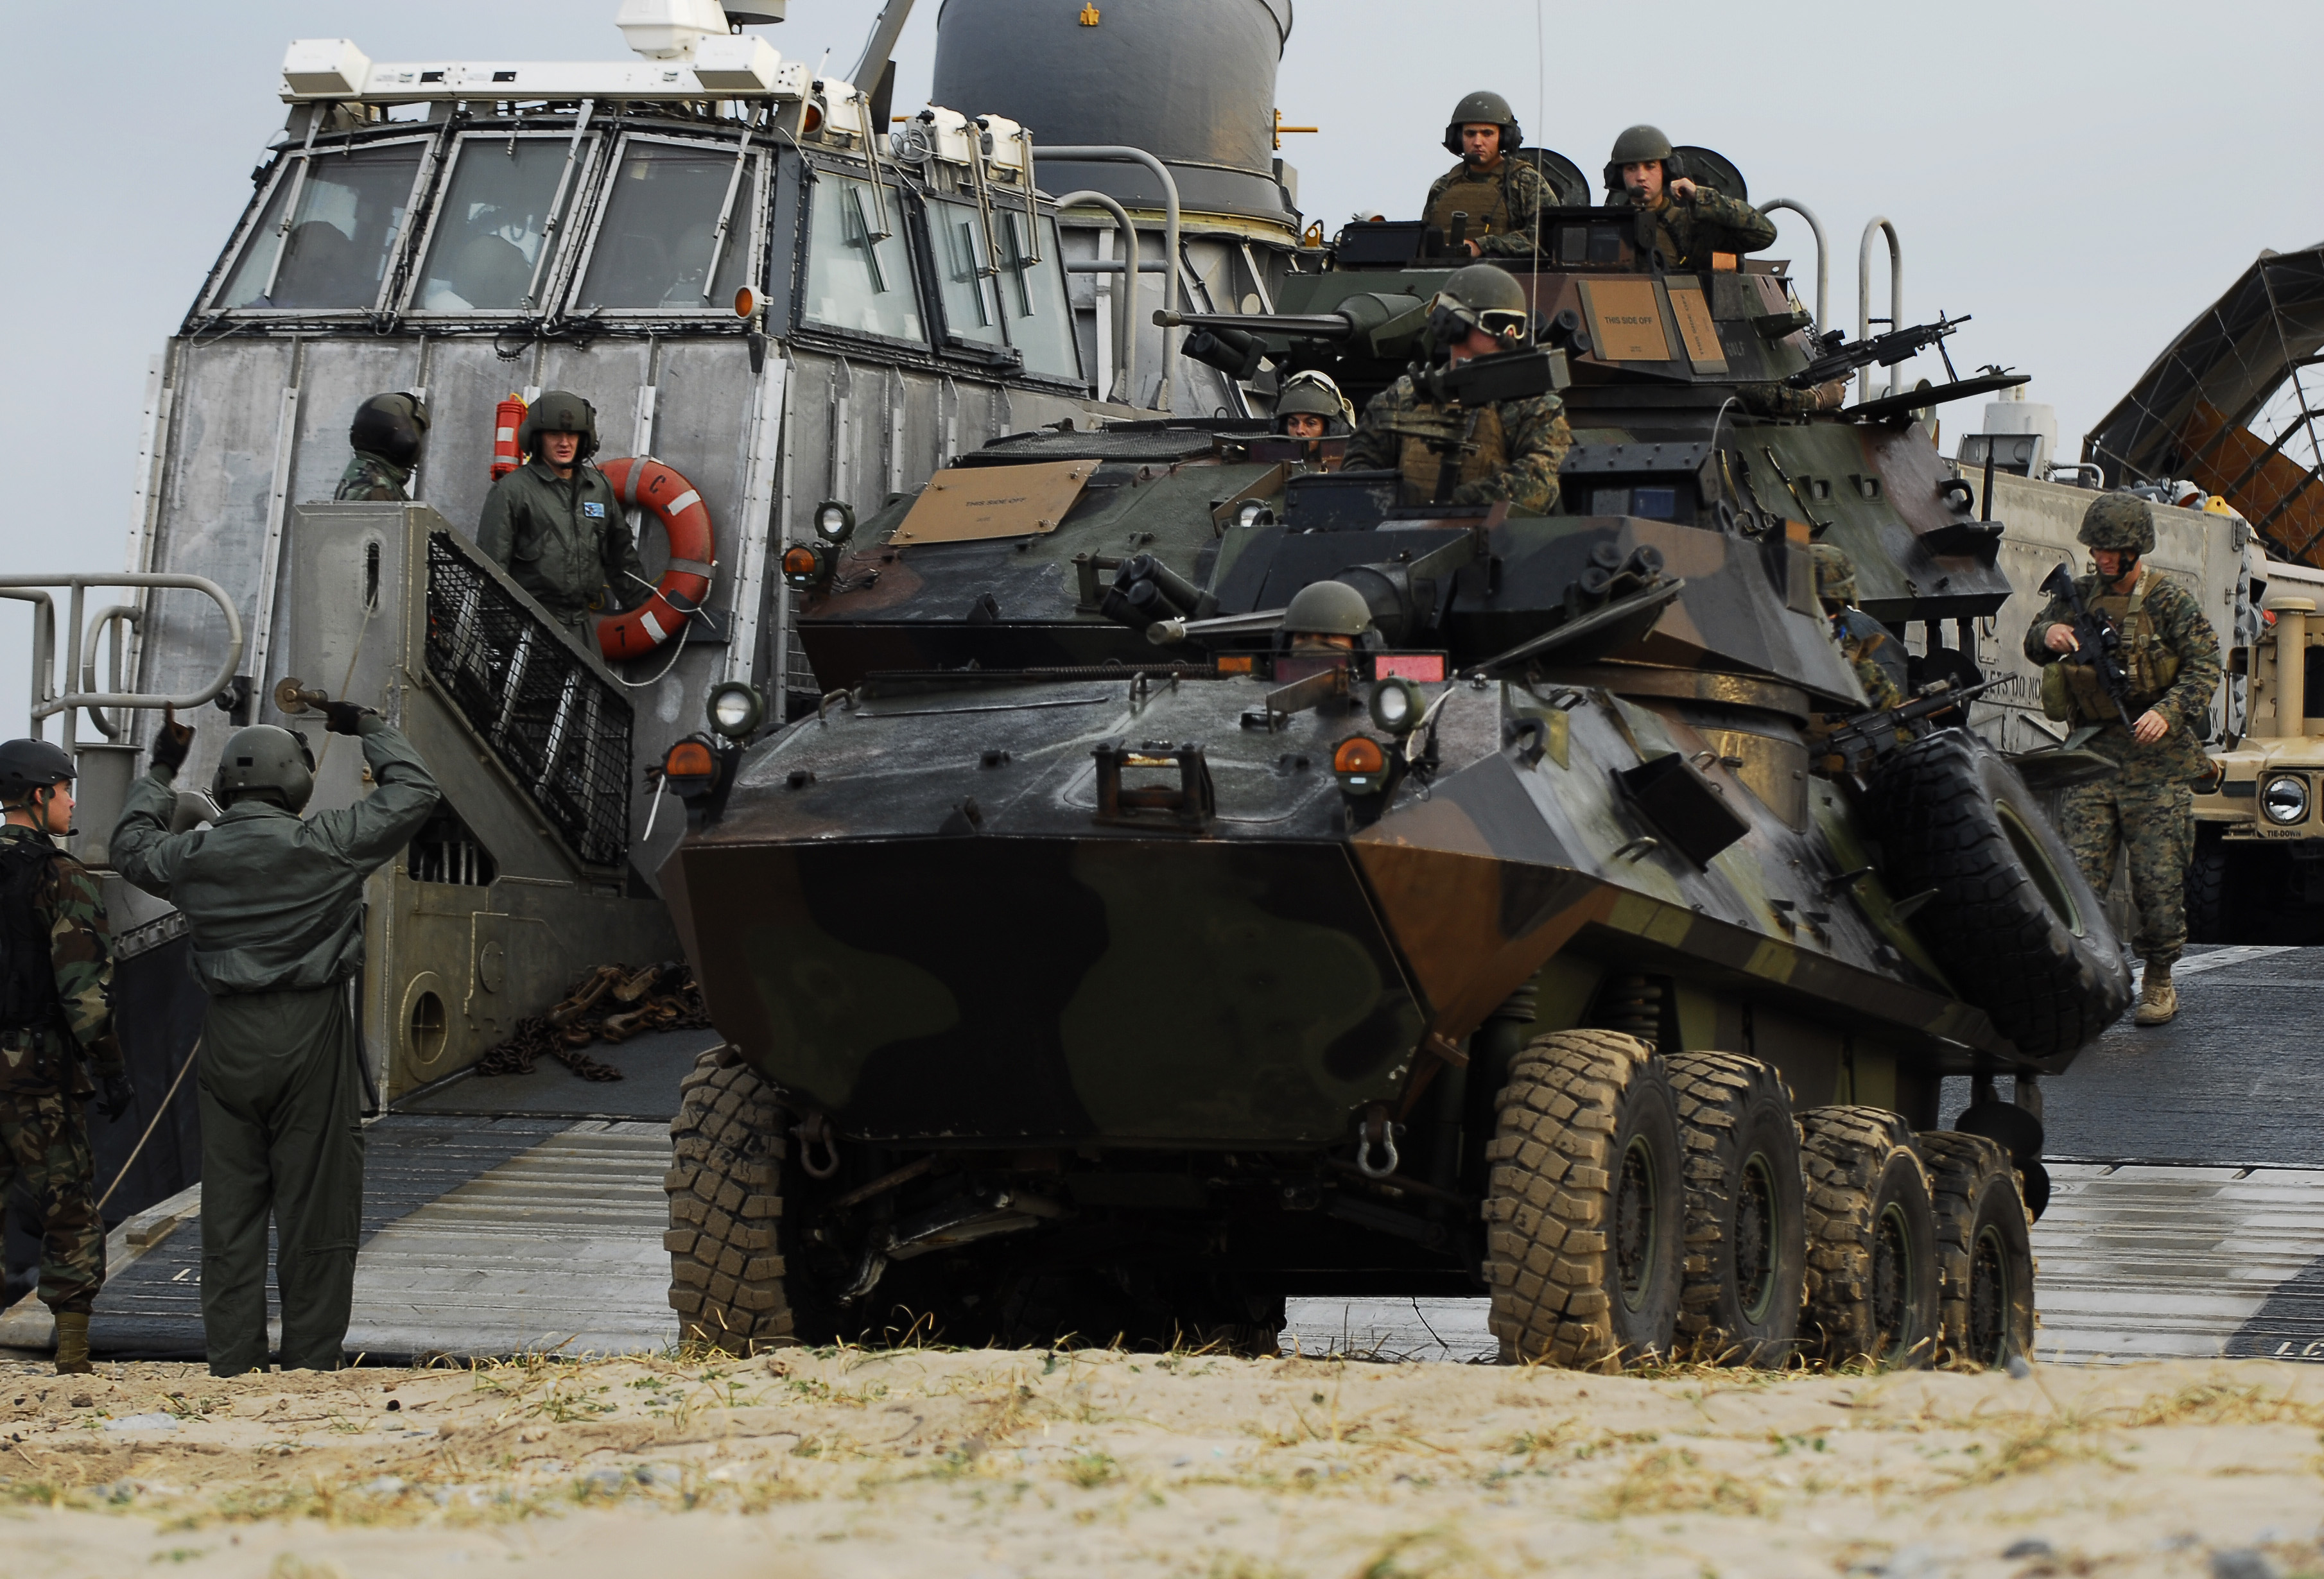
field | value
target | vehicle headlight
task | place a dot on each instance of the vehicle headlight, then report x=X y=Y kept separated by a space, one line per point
x=736 y=710
x=834 y=522
x=1396 y=704
x=2285 y=798
x=1254 y=512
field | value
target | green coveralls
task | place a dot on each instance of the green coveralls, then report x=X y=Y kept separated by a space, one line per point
x=373 y=479
x=565 y=541
x=274 y=907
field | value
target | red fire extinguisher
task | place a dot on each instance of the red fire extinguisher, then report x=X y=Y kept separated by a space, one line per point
x=508 y=416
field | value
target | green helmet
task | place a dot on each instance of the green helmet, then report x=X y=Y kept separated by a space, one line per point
x=1314 y=394
x=558 y=411
x=28 y=765
x=1835 y=575
x=1327 y=608
x=391 y=427
x=2122 y=521
x=1636 y=146
x=1481 y=106
x=1482 y=296
x=268 y=763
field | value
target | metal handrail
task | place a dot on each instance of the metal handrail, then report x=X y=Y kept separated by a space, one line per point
x=1125 y=155
x=1824 y=254
x=1863 y=296
x=47 y=700
x=1125 y=312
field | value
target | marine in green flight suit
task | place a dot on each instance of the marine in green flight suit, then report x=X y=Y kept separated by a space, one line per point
x=556 y=523
x=274 y=907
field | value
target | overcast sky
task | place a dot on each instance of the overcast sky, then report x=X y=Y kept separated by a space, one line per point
x=2082 y=178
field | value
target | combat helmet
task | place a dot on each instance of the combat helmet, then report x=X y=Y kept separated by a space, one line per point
x=1480 y=297
x=2120 y=521
x=1314 y=394
x=1835 y=575
x=391 y=427
x=1478 y=108
x=28 y=765
x=1327 y=608
x=1639 y=145
x=560 y=411
x=267 y=762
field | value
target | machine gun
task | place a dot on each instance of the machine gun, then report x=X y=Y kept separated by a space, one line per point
x=1865 y=737
x=2097 y=644
x=1839 y=360
x=1383 y=326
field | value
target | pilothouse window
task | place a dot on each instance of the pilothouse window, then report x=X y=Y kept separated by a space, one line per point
x=660 y=225
x=336 y=252
x=856 y=277
x=493 y=223
x=1022 y=303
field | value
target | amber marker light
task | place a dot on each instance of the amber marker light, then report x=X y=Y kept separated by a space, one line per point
x=1361 y=765
x=749 y=301
x=806 y=565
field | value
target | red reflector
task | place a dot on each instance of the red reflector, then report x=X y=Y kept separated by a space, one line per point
x=1359 y=753
x=1426 y=668
x=690 y=759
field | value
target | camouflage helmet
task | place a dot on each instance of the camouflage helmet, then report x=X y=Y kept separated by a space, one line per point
x=265 y=762
x=1482 y=296
x=30 y=764
x=2121 y=521
x=560 y=411
x=1327 y=608
x=1835 y=575
x=391 y=427
x=1637 y=145
x=1314 y=394
x=1477 y=108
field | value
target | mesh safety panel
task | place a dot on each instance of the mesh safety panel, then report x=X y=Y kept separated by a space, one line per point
x=558 y=727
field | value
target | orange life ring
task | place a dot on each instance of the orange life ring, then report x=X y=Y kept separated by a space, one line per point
x=678 y=505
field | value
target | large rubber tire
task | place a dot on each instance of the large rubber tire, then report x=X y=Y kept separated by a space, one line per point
x=1745 y=1210
x=726 y=1262
x=1584 y=1210
x=1985 y=1256
x=1872 y=1284
x=2213 y=913
x=2013 y=924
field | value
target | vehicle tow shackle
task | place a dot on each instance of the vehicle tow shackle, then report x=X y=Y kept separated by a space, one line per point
x=1376 y=1135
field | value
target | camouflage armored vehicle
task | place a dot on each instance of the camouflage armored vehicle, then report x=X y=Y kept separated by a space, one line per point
x=1208 y=878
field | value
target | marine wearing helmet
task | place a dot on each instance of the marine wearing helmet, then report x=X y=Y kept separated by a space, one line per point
x=2170 y=656
x=1490 y=201
x=1512 y=448
x=1871 y=651
x=1680 y=222
x=388 y=434
x=554 y=521
x=1310 y=406
x=1326 y=616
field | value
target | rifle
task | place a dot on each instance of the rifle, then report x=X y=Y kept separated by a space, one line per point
x=1839 y=359
x=1506 y=375
x=1867 y=736
x=2098 y=645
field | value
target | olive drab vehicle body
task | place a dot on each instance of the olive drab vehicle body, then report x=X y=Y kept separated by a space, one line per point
x=1104 y=952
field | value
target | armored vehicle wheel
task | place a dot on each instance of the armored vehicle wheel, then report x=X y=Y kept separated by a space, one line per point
x=1872 y=1288
x=1746 y=1238
x=1584 y=1211
x=1985 y=1260
x=727 y=1264
x=2211 y=913
x=2013 y=923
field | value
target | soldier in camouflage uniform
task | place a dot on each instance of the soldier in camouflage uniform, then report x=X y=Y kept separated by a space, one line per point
x=2145 y=811
x=1874 y=656
x=1501 y=197
x=56 y=1026
x=1685 y=222
x=387 y=436
x=1510 y=449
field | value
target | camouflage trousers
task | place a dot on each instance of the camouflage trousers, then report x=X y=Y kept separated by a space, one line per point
x=2152 y=825
x=45 y=1148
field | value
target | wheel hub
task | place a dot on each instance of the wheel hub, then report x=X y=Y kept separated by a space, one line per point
x=1989 y=1301
x=1756 y=1227
x=1634 y=1224
x=1892 y=1282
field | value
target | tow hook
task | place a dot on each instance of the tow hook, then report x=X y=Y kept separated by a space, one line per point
x=815 y=1130
x=1377 y=1135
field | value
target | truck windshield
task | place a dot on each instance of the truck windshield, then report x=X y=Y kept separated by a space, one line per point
x=335 y=250
x=490 y=225
x=659 y=225
x=857 y=279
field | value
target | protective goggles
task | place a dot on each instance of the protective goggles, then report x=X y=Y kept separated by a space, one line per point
x=1451 y=320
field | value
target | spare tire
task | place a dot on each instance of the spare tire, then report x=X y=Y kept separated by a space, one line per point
x=2010 y=919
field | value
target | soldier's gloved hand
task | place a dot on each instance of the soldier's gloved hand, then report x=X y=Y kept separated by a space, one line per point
x=119 y=1096
x=172 y=742
x=344 y=718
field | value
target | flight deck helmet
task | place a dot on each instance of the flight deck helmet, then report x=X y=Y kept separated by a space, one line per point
x=268 y=762
x=1482 y=106
x=560 y=411
x=2121 y=521
x=1637 y=145
x=391 y=427
x=29 y=765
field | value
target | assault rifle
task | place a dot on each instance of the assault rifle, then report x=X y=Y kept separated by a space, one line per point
x=1506 y=375
x=2098 y=645
x=1839 y=360
x=1867 y=736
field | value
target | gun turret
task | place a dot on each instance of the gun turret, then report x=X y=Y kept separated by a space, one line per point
x=1383 y=326
x=1841 y=360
